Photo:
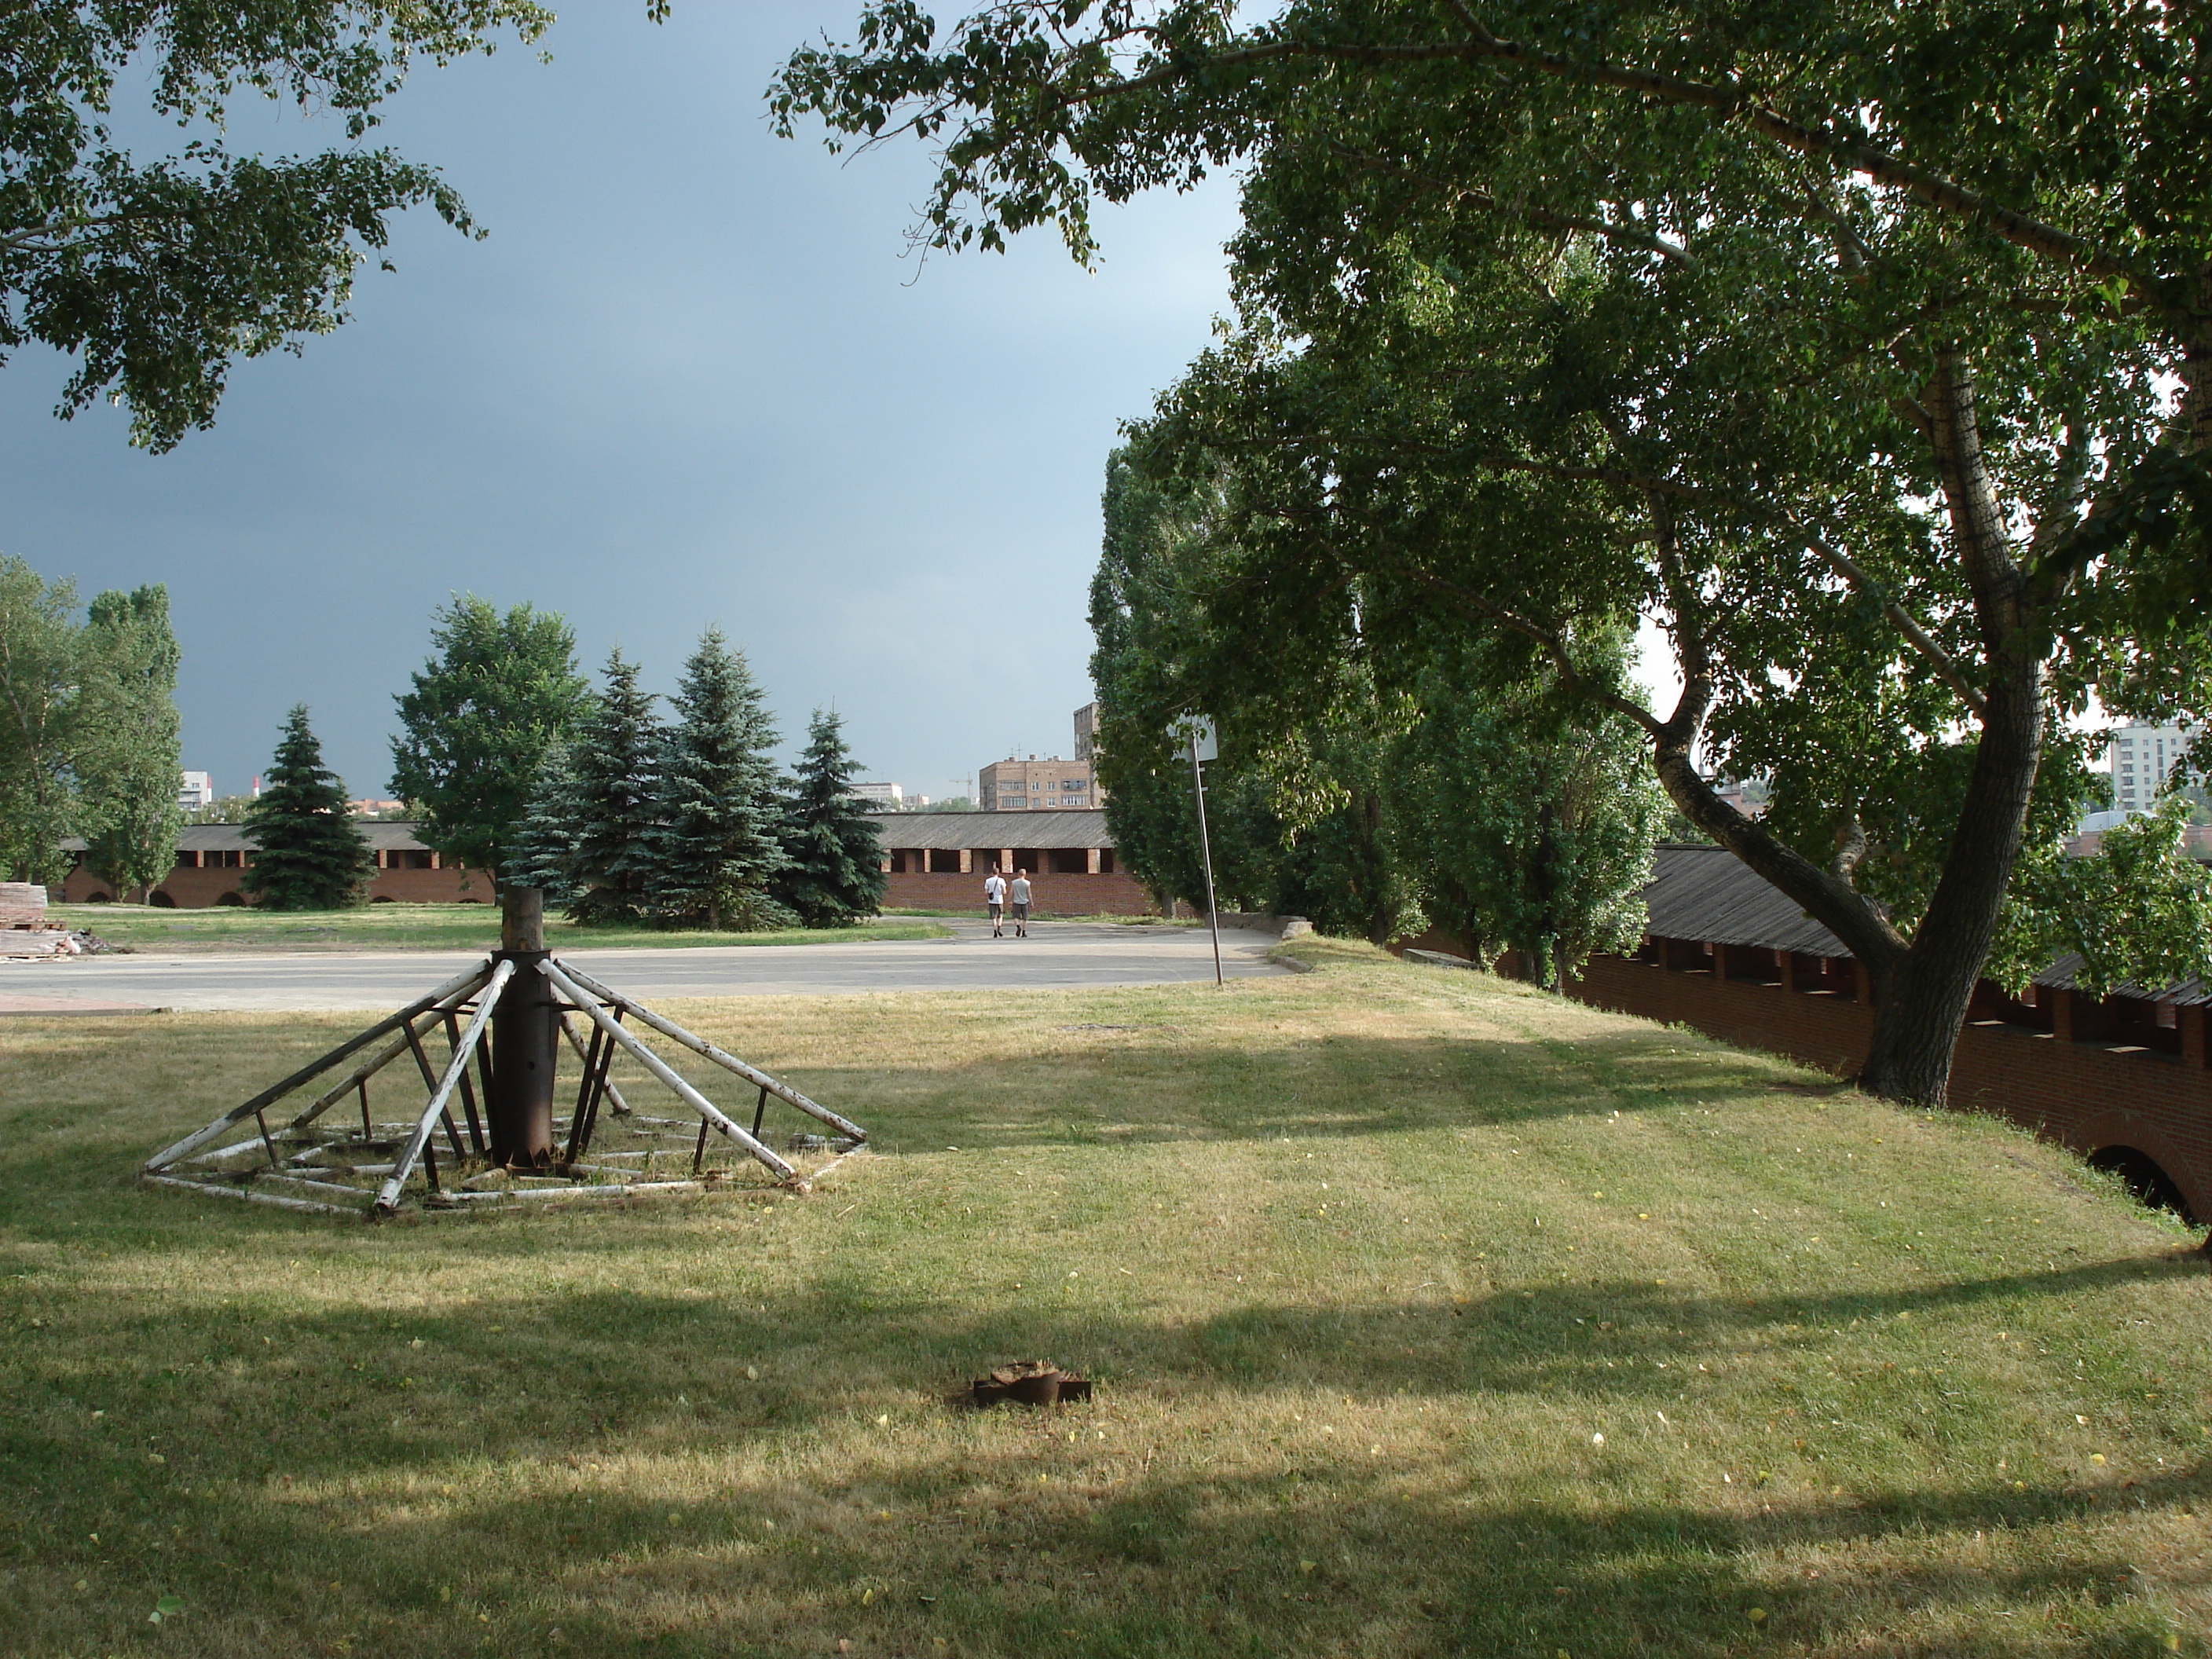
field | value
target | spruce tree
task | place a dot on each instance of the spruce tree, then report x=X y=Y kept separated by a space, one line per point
x=542 y=851
x=310 y=854
x=836 y=871
x=717 y=846
x=615 y=760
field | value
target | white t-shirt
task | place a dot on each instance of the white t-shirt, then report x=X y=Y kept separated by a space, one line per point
x=994 y=890
x=1020 y=891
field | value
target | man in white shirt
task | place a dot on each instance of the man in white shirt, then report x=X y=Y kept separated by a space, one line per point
x=994 y=895
x=1018 y=891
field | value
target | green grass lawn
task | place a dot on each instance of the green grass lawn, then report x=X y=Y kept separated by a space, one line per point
x=225 y=929
x=1431 y=1316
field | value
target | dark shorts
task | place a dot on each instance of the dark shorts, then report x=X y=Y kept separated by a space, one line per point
x=997 y=910
x=1021 y=913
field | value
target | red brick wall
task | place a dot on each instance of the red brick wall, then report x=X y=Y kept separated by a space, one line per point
x=2088 y=1096
x=1114 y=894
x=195 y=888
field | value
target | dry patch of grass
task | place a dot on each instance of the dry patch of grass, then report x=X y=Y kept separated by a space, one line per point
x=1432 y=1315
x=231 y=931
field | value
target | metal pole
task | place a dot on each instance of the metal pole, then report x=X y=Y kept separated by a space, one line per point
x=525 y=1040
x=1206 y=852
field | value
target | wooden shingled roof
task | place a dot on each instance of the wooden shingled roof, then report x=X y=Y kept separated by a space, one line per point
x=385 y=835
x=950 y=831
x=1707 y=893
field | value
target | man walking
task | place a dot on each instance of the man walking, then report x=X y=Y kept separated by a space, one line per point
x=994 y=895
x=1018 y=891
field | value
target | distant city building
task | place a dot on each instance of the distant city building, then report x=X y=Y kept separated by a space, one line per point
x=197 y=790
x=1034 y=786
x=370 y=809
x=2143 y=756
x=1050 y=785
x=1747 y=796
x=882 y=794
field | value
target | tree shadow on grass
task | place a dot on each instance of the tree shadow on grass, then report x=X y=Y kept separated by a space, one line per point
x=1334 y=1087
x=1013 y=1540
x=380 y=1448
x=319 y=1394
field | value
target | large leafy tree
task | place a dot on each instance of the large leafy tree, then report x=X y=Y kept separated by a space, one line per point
x=154 y=272
x=1525 y=821
x=39 y=661
x=836 y=875
x=127 y=754
x=1835 y=341
x=715 y=849
x=615 y=762
x=309 y=853
x=475 y=726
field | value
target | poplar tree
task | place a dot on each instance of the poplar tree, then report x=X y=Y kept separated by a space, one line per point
x=1842 y=340
x=152 y=273
x=37 y=691
x=836 y=875
x=309 y=853
x=716 y=847
x=128 y=756
x=615 y=761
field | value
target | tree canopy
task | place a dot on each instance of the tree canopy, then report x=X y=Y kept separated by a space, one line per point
x=154 y=273
x=476 y=721
x=89 y=731
x=1837 y=341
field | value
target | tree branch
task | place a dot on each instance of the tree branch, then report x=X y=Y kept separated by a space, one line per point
x=1628 y=235
x=1945 y=666
x=1853 y=151
x=1552 y=645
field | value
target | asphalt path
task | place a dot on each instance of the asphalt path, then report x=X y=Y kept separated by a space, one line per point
x=1055 y=954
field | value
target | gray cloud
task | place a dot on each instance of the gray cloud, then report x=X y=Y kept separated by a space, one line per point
x=689 y=379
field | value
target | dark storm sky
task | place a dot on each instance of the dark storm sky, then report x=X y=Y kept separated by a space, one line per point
x=690 y=378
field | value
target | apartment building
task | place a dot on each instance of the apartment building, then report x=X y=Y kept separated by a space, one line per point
x=2143 y=756
x=1050 y=785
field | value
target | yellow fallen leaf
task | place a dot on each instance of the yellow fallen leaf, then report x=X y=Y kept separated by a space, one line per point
x=1759 y=1615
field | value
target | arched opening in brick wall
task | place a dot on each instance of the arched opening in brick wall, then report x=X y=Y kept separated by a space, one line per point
x=2144 y=1178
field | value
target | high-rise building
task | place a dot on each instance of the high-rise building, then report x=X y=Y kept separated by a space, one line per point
x=886 y=796
x=1087 y=729
x=195 y=791
x=2142 y=757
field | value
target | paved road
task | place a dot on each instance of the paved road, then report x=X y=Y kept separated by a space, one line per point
x=1055 y=954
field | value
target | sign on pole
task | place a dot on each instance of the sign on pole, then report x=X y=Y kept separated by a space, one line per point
x=1196 y=732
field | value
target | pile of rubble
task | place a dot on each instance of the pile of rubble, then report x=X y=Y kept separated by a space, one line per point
x=24 y=933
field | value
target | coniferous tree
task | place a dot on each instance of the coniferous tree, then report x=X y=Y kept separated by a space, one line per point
x=310 y=854
x=616 y=763
x=717 y=847
x=836 y=876
x=541 y=851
